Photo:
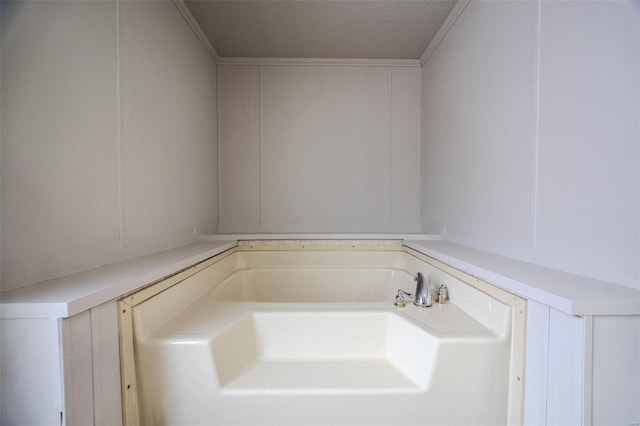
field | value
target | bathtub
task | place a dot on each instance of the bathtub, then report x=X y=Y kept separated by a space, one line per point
x=266 y=336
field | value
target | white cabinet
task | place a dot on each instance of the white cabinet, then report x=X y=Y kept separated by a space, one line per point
x=61 y=371
x=581 y=370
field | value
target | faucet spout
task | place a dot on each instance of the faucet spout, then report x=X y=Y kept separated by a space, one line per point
x=422 y=295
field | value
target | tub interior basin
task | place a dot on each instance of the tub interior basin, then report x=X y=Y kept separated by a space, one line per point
x=331 y=351
x=313 y=285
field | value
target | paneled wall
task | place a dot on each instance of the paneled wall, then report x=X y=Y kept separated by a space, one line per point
x=108 y=135
x=531 y=136
x=319 y=148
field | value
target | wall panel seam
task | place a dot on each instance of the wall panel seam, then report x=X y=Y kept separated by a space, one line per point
x=391 y=148
x=219 y=189
x=260 y=147
x=536 y=142
x=119 y=124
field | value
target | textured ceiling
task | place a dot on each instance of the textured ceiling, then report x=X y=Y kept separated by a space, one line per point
x=371 y=29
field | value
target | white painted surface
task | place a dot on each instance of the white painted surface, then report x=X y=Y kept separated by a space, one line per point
x=239 y=148
x=406 y=164
x=61 y=372
x=327 y=154
x=566 y=372
x=530 y=133
x=31 y=384
x=325 y=144
x=59 y=132
x=588 y=212
x=478 y=127
x=557 y=375
x=108 y=136
x=169 y=128
x=616 y=372
x=67 y=296
x=77 y=367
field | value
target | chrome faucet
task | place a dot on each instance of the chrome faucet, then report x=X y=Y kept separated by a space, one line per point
x=422 y=295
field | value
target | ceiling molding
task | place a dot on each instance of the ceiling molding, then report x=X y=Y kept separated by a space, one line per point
x=197 y=30
x=444 y=29
x=321 y=61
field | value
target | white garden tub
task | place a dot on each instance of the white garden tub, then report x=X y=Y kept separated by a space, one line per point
x=311 y=337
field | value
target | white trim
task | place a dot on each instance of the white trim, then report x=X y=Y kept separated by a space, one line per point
x=444 y=29
x=316 y=236
x=587 y=371
x=197 y=29
x=321 y=61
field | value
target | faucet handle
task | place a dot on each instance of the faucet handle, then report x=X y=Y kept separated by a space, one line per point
x=400 y=298
x=443 y=294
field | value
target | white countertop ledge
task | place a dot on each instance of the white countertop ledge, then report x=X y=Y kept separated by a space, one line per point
x=569 y=293
x=566 y=292
x=69 y=295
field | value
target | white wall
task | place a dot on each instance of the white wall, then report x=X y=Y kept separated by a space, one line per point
x=531 y=137
x=108 y=135
x=319 y=148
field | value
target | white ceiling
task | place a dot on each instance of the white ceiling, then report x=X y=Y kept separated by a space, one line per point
x=370 y=29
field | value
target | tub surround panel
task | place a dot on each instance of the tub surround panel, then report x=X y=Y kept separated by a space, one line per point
x=325 y=144
x=406 y=164
x=59 y=151
x=239 y=150
x=327 y=148
x=545 y=166
x=108 y=135
x=478 y=124
x=588 y=211
x=168 y=145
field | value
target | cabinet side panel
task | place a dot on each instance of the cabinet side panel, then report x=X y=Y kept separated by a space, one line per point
x=30 y=387
x=537 y=364
x=616 y=372
x=565 y=384
x=77 y=369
